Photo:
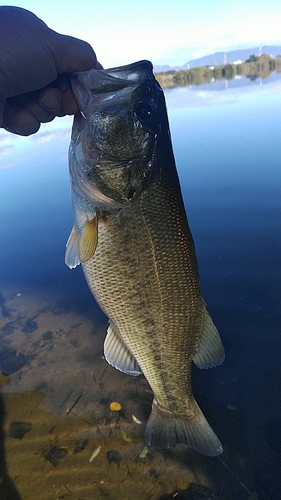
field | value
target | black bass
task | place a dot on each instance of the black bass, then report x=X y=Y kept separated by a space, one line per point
x=132 y=237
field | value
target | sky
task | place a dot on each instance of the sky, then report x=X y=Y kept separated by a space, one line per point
x=165 y=32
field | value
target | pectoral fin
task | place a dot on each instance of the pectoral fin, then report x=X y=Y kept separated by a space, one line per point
x=82 y=249
x=72 y=249
x=210 y=350
x=88 y=240
x=118 y=355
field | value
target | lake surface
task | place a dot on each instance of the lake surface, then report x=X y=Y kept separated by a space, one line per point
x=226 y=142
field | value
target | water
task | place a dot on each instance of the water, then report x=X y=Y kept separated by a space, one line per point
x=227 y=148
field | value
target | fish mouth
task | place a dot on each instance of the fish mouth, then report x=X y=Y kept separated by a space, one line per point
x=107 y=82
x=103 y=85
x=112 y=90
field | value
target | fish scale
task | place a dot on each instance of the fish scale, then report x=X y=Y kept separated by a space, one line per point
x=146 y=279
x=138 y=253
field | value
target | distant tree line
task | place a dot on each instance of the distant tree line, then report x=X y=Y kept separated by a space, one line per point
x=254 y=67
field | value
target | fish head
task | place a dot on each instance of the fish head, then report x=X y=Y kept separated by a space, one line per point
x=115 y=136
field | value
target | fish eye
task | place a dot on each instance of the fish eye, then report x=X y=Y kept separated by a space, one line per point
x=145 y=111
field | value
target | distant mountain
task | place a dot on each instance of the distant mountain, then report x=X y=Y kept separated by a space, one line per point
x=219 y=58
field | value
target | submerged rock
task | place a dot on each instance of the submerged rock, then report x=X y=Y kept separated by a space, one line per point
x=30 y=327
x=11 y=362
x=17 y=430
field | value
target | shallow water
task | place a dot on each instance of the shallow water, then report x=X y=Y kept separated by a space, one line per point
x=227 y=148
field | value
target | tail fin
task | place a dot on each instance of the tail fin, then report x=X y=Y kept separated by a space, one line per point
x=165 y=429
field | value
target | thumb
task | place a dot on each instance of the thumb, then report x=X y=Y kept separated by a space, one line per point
x=71 y=54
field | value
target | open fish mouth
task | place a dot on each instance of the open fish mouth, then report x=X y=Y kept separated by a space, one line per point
x=116 y=108
x=110 y=88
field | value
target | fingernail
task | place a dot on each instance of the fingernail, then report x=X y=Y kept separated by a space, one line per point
x=50 y=102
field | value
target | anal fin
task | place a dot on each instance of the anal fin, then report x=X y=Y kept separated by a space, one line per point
x=210 y=351
x=118 y=355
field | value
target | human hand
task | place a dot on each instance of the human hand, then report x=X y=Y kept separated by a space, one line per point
x=35 y=63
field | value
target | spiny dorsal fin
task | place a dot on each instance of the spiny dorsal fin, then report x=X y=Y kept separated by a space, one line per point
x=72 y=249
x=210 y=350
x=118 y=355
x=88 y=240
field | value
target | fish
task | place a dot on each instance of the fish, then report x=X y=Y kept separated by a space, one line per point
x=132 y=237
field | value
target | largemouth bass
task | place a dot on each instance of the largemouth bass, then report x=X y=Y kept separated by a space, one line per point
x=132 y=237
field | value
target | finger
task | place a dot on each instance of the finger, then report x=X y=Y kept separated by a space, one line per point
x=73 y=54
x=69 y=103
x=58 y=102
x=29 y=101
x=19 y=120
x=49 y=99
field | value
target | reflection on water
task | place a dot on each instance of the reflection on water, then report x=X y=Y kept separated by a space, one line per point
x=56 y=386
x=259 y=68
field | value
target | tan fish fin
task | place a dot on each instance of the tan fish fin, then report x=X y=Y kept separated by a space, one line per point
x=72 y=249
x=118 y=355
x=88 y=240
x=210 y=350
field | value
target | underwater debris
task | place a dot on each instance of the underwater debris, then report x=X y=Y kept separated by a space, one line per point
x=253 y=495
x=30 y=327
x=143 y=452
x=47 y=335
x=136 y=420
x=95 y=453
x=80 y=447
x=192 y=492
x=115 y=406
x=9 y=328
x=125 y=437
x=17 y=430
x=55 y=454
x=113 y=457
x=74 y=404
x=11 y=362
